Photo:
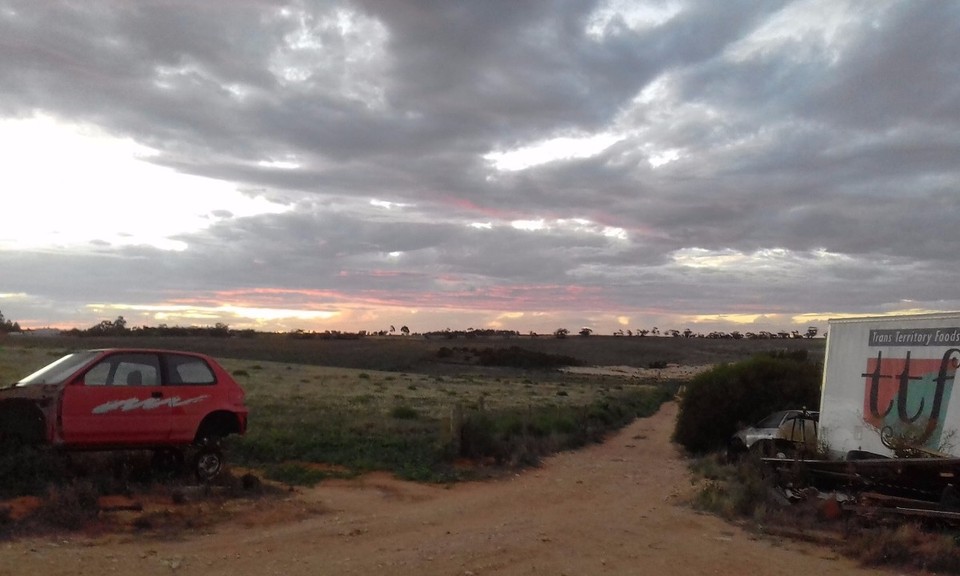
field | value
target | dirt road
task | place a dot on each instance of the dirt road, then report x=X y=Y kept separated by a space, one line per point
x=615 y=508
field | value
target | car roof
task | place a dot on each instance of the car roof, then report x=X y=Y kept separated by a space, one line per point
x=146 y=351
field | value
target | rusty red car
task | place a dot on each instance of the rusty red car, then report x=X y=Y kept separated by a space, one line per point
x=171 y=402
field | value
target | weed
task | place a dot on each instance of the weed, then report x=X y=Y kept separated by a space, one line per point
x=70 y=506
x=296 y=474
x=404 y=413
x=907 y=546
x=733 y=490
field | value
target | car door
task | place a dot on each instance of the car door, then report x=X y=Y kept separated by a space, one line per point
x=117 y=402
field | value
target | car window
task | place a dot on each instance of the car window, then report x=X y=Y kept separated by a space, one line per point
x=125 y=370
x=188 y=370
x=771 y=421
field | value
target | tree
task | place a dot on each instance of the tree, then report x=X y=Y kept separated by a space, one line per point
x=560 y=333
x=7 y=325
x=404 y=330
x=811 y=332
x=586 y=332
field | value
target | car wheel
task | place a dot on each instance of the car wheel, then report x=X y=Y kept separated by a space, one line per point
x=208 y=463
x=763 y=448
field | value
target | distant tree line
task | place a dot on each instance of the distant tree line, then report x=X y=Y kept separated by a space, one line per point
x=811 y=332
x=470 y=333
x=7 y=325
x=118 y=327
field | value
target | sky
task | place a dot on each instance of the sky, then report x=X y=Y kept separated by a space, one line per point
x=357 y=165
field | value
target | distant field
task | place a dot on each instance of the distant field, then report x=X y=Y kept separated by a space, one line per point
x=417 y=355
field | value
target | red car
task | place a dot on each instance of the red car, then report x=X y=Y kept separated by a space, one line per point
x=127 y=398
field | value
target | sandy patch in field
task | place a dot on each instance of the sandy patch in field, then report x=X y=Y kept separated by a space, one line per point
x=670 y=372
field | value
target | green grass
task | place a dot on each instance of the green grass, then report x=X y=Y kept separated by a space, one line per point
x=422 y=444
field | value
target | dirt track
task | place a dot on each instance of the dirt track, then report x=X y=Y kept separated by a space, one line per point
x=615 y=508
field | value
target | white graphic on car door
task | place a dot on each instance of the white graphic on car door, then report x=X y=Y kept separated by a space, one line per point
x=146 y=404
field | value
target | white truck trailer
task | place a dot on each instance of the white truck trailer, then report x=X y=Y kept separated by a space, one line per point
x=889 y=380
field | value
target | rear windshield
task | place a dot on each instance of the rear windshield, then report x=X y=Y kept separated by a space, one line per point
x=188 y=370
x=58 y=371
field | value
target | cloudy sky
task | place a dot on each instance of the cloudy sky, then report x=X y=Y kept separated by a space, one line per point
x=352 y=165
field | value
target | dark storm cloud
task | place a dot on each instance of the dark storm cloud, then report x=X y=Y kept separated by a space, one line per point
x=806 y=146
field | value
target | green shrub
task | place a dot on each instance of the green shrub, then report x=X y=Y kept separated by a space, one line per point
x=720 y=401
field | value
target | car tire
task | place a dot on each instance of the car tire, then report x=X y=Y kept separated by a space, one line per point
x=208 y=462
x=763 y=448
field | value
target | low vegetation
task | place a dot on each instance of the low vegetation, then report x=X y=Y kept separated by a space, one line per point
x=419 y=427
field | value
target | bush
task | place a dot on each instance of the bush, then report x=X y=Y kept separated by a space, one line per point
x=720 y=401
